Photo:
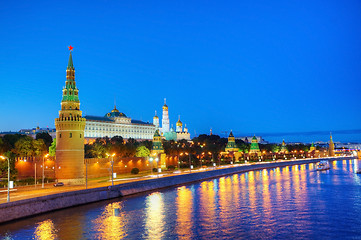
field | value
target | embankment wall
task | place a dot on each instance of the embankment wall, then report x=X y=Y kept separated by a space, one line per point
x=29 y=207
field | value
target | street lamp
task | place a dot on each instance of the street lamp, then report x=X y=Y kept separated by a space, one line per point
x=157 y=159
x=3 y=157
x=112 y=162
x=42 y=182
x=150 y=165
x=190 y=166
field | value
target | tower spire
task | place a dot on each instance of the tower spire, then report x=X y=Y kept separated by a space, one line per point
x=70 y=62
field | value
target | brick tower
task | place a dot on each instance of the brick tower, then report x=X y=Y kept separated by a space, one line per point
x=70 y=133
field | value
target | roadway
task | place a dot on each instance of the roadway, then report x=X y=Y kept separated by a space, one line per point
x=31 y=191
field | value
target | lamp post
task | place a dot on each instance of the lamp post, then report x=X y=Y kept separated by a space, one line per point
x=3 y=157
x=189 y=159
x=35 y=175
x=190 y=163
x=112 y=163
x=157 y=159
x=178 y=163
x=42 y=182
x=150 y=165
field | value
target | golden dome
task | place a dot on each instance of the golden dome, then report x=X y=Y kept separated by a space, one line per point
x=179 y=123
x=115 y=109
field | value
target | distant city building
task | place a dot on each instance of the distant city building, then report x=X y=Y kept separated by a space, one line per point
x=248 y=139
x=116 y=123
x=33 y=131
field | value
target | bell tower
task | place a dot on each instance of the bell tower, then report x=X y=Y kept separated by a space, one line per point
x=70 y=132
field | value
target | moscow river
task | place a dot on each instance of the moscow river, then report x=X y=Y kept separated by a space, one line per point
x=295 y=202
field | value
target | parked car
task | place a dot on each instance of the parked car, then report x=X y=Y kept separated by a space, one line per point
x=58 y=184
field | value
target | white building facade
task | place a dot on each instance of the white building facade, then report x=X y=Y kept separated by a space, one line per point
x=116 y=123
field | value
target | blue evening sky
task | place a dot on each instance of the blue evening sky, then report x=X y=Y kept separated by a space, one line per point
x=250 y=66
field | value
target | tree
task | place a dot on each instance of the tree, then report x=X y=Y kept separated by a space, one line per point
x=24 y=147
x=52 y=148
x=46 y=137
x=39 y=147
x=142 y=151
x=98 y=150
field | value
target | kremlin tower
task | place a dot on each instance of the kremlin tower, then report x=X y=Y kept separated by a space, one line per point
x=70 y=133
x=165 y=118
x=283 y=147
x=254 y=146
x=231 y=145
x=331 y=147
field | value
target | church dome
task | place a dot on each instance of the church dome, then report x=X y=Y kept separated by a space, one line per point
x=179 y=123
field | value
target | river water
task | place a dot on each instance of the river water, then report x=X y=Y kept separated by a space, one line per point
x=293 y=202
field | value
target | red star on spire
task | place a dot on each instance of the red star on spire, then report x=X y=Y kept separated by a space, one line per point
x=70 y=48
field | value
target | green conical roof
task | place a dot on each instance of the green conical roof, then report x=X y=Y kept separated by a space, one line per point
x=70 y=62
x=156 y=134
x=312 y=145
x=254 y=145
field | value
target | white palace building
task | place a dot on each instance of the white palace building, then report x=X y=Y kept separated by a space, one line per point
x=116 y=123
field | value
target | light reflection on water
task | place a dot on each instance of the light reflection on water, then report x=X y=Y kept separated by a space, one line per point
x=290 y=202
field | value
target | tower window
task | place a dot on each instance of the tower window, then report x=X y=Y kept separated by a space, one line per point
x=59 y=135
x=80 y=135
x=71 y=135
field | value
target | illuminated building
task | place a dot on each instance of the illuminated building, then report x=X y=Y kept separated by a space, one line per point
x=156 y=121
x=254 y=146
x=167 y=132
x=157 y=144
x=157 y=151
x=70 y=133
x=312 y=148
x=331 y=147
x=283 y=147
x=165 y=118
x=231 y=144
x=33 y=131
x=116 y=123
x=180 y=133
